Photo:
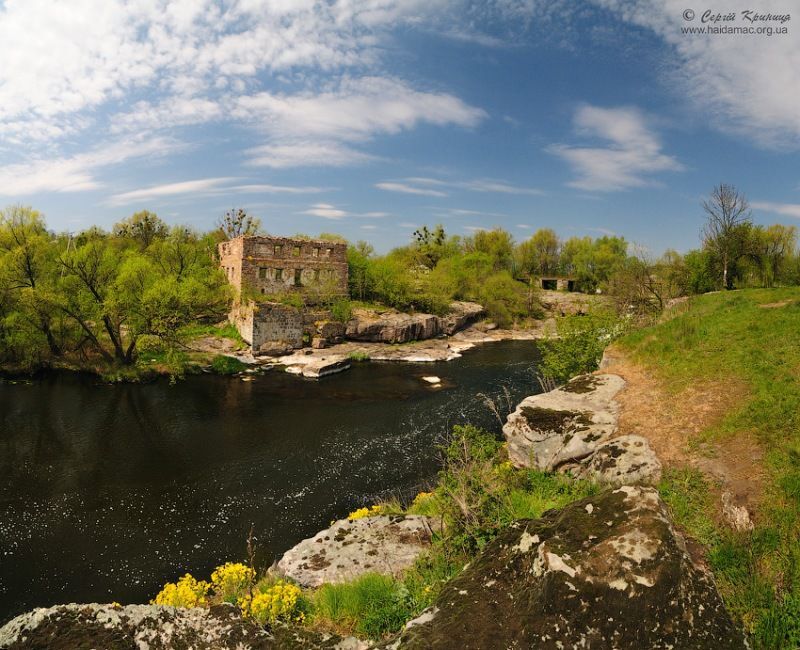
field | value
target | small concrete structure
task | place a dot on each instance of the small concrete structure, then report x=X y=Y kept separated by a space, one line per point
x=558 y=283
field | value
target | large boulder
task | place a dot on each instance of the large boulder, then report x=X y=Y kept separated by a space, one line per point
x=392 y=328
x=461 y=314
x=572 y=429
x=384 y=544
x=154 y=627
x=609 y=571
x=564 y=426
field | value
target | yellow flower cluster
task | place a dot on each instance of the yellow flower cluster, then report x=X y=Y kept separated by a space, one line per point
x=422 y=496
x=187 y=592
x=230 y=579
x=372 y=511
x=278 y=603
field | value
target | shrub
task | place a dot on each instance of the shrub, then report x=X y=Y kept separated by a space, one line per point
x=342 y=311
x=579 y=345
x=186 y=592
x=231 y=580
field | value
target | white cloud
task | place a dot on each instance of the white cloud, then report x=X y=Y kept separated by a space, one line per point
x=408 y=189
x=410 y=186
x=319 y=128
x=305 y=154
x=632 y=155
x=78 y=172
x=488 y=185
x=784 y=209
x=169 y=189
x=328 y=211
x=749 y=84
x=88 y=67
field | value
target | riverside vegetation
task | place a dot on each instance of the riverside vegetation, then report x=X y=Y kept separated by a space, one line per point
x=130 y=302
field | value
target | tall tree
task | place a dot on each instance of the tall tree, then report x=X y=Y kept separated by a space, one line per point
x=28 y=269
x=539 y=255
x=144 y=227
x=727 y=227
x=237 y=223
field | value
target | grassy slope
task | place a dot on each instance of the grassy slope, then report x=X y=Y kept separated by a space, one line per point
x=726 y=336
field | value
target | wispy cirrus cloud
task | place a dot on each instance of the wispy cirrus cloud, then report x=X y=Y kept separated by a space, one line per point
x=631 y=155
x=403 y=188
x=783 y=209
x=422 y=185
x=752 y=88
x=205 y=187
x=78 y=173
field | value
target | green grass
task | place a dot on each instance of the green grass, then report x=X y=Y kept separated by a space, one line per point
x=225 y=365
x=358 y=355
x=373 y=605
x=727 y=338
x=225 y=331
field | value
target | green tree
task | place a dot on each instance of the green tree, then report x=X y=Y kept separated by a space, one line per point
x=539 y=255
x=727 y=229
x=497 y=243
x=28 y=269
x=144 y=227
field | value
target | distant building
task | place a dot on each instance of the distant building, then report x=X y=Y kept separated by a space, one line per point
x=273 y=266
x=558 y=283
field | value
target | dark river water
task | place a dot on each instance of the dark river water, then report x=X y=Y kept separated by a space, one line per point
x=106 y=492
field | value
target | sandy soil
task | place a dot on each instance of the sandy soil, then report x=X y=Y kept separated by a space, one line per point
x=672 y=421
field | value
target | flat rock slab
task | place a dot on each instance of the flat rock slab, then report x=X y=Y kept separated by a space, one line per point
x=155 y=627
x=316 y=366
x=609 y=571
x=560 y=428
x=384 y=544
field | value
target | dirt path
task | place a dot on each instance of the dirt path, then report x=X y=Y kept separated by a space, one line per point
x=672 y=421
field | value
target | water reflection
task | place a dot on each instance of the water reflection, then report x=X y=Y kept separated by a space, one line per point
x=106 y=491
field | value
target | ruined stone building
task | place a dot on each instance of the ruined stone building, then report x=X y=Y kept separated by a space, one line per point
x=273 y=266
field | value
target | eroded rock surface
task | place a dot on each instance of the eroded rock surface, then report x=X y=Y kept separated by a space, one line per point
x=609 y=571
x=396 y=327
x=154 y=627
x=563 y=426
x=383 y=544
x=571 y=429
x=625 y=460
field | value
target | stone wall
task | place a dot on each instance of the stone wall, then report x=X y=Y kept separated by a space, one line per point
x=280 y=265
x=269 y=327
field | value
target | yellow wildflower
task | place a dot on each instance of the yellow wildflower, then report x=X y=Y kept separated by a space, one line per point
x=230 y=579
x=186 y=592
x=372 y=511
x=280 y=602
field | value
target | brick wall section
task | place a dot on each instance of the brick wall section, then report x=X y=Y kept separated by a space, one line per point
x=279 y=265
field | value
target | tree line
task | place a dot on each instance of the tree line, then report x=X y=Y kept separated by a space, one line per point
x=96 y=295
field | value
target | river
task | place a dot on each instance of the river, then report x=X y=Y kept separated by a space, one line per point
x=108 y=491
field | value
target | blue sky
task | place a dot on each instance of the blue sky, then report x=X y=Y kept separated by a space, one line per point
x=370 y=118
